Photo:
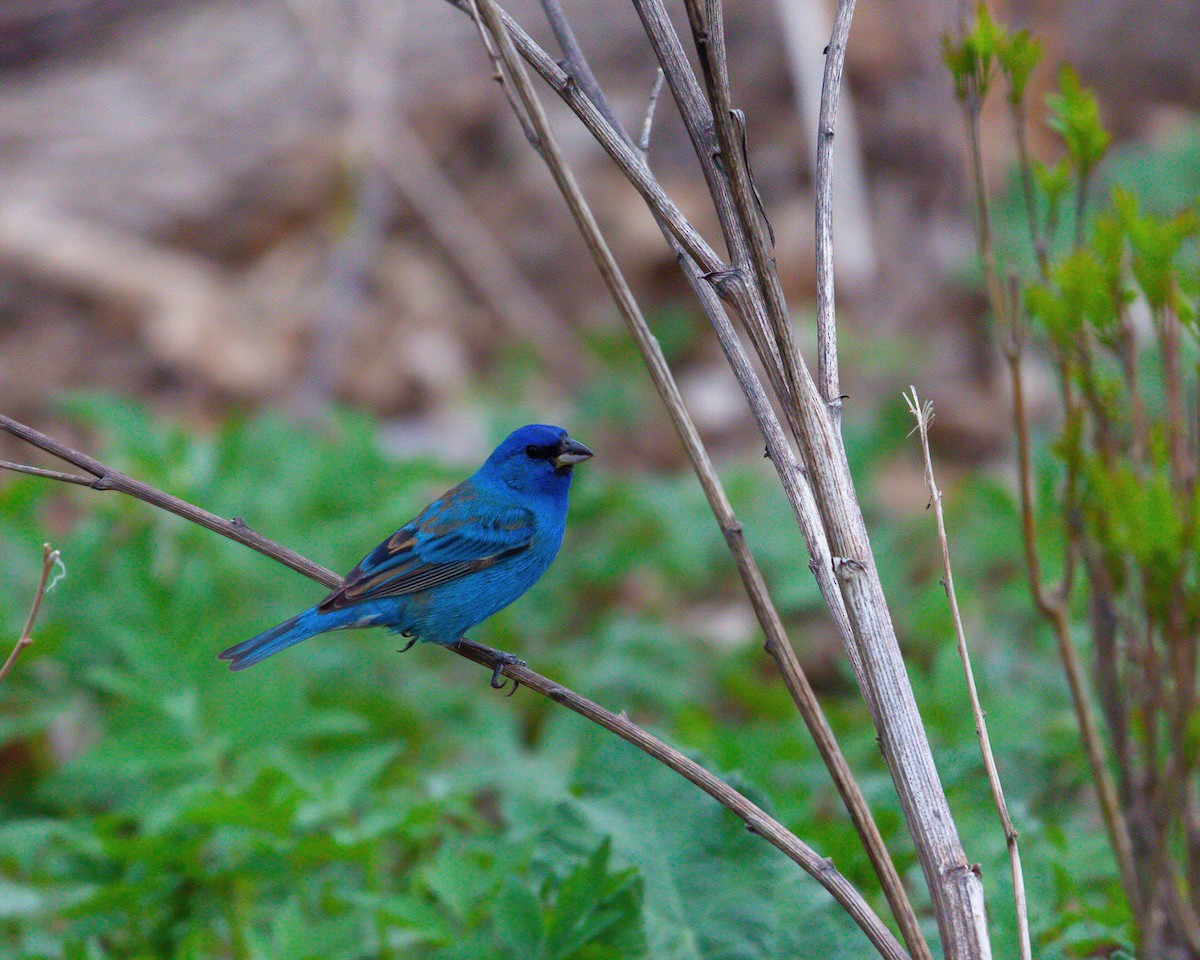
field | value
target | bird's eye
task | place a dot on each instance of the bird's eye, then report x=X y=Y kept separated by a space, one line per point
x=541 y=451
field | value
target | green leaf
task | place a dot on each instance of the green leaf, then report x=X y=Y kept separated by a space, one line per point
x=712 y=890
x=590 y=903
x=1054 y=180
x=1075 y=115
x=1018 y=56
x=972 y=60
x=518 y=919
x=1157 y=243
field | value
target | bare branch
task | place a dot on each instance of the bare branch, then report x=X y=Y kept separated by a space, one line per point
x=831 y=87
x=956 y=890
x=50 y=559
x=923 y=412
x=109 y=479
x=777 y=642
x=708 y=31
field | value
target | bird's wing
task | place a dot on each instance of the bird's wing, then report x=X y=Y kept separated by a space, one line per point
x=464 y=531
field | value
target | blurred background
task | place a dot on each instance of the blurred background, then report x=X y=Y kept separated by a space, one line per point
x=217 y=206
x=294 y=261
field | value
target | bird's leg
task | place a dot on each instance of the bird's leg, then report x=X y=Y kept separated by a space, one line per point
x=408 y=646
x=503 y=660
x=500 y=660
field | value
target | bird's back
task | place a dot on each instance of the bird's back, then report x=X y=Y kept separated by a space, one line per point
x=442 y=614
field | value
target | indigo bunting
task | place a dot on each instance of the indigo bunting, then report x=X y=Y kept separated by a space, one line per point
x=465 y=556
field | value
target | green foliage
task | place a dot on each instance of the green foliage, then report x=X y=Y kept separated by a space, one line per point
x=988 y=46
x=973 y=59
x=1076 y=294
x=1018 y=56
x=1156 y=243
x=341 y=801
x=1115 y=301
x=346 y=802
x=1075 y=115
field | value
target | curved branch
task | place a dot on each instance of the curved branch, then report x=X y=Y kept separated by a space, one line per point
x=755 y=818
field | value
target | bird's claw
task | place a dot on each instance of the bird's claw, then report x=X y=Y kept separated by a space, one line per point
x=408 y=646
x=503 y=660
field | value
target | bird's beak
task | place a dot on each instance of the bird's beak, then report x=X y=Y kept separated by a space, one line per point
x=570 y=452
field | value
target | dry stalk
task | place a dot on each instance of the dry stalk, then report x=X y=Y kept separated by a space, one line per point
x=955 y=889
x=777 y=643
x=923 y=412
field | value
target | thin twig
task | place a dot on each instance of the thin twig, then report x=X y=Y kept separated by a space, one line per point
x=802 y=23
x=923 y=412
x=498 y=76
x=831 y=86
x=1053 y=610
x=655 y=92
x=1025 y=166
x=48 y=474
x=107 y=478
x=50 y=558
x=755 y=818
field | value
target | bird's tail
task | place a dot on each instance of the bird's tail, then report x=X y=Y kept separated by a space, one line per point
x=269 y=642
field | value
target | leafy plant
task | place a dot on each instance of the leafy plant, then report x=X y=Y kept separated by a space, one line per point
x=1115 y=306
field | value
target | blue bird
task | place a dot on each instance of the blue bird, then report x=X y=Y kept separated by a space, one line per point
x=468 y=554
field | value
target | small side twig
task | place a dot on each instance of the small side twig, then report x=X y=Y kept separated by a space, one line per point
x=50 y=559
x=923 y=412
x=648 y=123
x=498 y=75
x=831 y=86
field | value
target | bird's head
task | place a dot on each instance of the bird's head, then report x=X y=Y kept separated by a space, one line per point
x=537 y=457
